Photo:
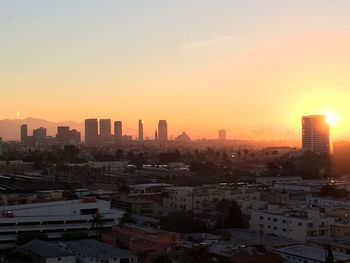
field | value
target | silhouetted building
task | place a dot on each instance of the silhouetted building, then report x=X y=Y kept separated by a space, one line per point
x=0 y=147
x=91 y=131
x=62 y=134
x=105 y=127
x=162 y=131
x=67 y=136
x=341 y=157
x=341 y=149
x=183 y=137
x=39 y=135
x=140 y=130
x=127 y=138
x=156 y=135
x=24 y=133
x=105 y=130
x=222 y=135
x=118 y=131
x=315 y=134
x=75 y=136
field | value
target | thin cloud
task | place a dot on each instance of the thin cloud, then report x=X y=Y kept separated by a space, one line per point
x=210 y=42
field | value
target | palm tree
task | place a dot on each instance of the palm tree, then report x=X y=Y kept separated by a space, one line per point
x=97 y=223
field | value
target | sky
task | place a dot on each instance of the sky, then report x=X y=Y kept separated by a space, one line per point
x=251 y=67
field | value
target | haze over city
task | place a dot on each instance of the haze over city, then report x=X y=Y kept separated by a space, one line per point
x=187 y=131
x=202 y=65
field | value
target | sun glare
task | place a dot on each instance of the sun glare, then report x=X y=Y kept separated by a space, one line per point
x=331 y=118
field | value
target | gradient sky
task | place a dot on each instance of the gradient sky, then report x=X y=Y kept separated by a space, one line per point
x=201 y=64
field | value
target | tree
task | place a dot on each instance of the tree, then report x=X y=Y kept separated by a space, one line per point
x=229 y=214
x=198 y=253
x=329 y=254
x=162 y=258
x=97 y=223
x=119 y=154
x=182 y=222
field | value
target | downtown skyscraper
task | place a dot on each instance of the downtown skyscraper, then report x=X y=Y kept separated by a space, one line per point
x=141 y=130
x=162 y=131
x=118 y=131
x=91 y=131
x=315 y=134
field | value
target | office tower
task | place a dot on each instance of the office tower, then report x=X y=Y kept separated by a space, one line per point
x=24 y=133
x=91 y=131
x=105 y=127
x=222 y=135
x=162 y=131
x=62 y=134
x=156 y=135
x=140 y=130
x=118 y=131
x=39 y=135
x=0 y=147
x=315 y=134
x=65 y=135
x=105 y=130
x=75 y=136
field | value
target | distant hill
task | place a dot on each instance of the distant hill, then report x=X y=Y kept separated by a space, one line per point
x=10 y=129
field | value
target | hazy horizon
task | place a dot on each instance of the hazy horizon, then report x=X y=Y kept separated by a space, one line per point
x=202 y=65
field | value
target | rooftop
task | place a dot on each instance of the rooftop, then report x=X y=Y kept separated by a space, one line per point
x=92 y=248
x=45 y=249
x=309 y=252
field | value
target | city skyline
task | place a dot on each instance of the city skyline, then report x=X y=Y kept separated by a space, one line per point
x=104 y=128
x=235 y=65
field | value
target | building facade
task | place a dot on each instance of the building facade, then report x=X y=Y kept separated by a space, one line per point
x=315 y=134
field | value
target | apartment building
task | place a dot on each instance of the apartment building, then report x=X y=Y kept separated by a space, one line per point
x=299 y=225
x=200 y=199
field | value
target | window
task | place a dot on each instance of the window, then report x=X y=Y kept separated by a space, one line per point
x=261 y=217
x=299 y=224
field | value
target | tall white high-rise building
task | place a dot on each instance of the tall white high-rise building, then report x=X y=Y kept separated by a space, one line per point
x=315 y=134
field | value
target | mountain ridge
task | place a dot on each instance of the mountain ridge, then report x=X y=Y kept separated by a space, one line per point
x=10 y=128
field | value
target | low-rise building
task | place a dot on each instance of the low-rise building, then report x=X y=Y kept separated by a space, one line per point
x=271 y=180
x=44 y=252
x=139 y=205
x=91 y=251
x=298 y=225
x=54 y=218
x=205 y=199
x=306 y=254
x=145 y=240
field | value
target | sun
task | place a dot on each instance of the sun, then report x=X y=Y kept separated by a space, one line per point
x=331 y=118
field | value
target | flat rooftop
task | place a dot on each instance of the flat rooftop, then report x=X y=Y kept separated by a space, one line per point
x=309 y=253
x=92 y=248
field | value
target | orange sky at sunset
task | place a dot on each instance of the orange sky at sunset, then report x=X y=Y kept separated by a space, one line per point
x=226 y=71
